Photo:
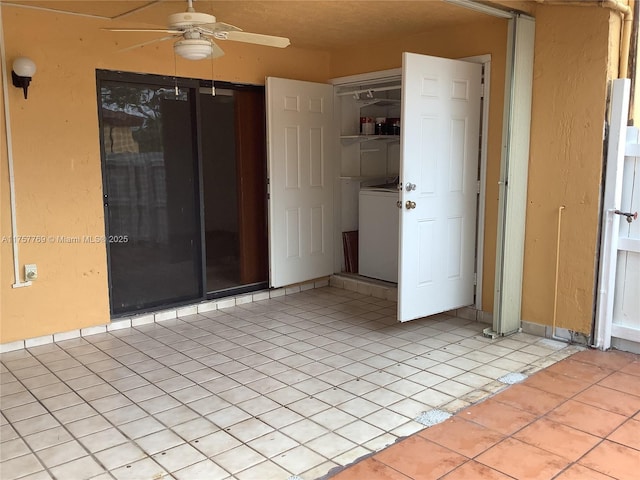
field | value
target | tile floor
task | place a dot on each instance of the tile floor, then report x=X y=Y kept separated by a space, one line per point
x=290 y=387
x=577 y=420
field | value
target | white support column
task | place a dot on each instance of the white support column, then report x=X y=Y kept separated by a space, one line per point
x=512 y=202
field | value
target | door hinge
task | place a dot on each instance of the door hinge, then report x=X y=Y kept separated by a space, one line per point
x=475 y=278
x=482 y=90
x=478 y=189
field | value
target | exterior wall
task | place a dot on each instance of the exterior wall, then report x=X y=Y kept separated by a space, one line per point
x=57 y=156
x=462 y=41
x=576 y=54
x=58 y=172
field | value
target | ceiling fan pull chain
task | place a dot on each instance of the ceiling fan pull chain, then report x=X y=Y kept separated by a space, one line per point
x=175 y=73
x=213 y=87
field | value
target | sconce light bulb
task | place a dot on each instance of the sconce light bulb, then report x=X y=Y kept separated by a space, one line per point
x=23 y=69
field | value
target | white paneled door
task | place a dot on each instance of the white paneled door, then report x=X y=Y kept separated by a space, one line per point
x=299 y=129
x=441 y=101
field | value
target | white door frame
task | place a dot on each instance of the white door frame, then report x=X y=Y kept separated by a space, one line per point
x=512 y=206
x=485 y=60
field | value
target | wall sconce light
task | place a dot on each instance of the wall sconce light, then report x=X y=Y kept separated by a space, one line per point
x=23 y=70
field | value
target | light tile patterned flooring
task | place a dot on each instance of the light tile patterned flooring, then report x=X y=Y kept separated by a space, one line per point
x=292 y=386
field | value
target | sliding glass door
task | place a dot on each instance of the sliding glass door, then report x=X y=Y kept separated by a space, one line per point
x=184 y=177
x=151 y=192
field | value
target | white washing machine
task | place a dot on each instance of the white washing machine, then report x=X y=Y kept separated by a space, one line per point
x=379 y=219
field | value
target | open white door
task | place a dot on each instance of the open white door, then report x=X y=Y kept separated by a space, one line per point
x=299 y=128
x=439 y=175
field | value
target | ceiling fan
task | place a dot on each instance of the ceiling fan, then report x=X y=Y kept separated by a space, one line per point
x=196 y=32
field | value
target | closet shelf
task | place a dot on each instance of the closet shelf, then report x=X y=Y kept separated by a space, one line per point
x=381 y=102
x=368 y=138
x=362 y=178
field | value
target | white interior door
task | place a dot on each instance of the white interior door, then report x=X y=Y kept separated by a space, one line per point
x=439 y=175
x=299 y=128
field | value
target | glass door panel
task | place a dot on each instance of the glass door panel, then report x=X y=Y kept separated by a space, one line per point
x=151 y=185
x=234 y=188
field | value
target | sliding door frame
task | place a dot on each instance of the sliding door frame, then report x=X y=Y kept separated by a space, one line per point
x=194 y=86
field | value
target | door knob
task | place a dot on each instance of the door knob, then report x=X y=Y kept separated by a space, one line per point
x=410 y=205
x=411 y=186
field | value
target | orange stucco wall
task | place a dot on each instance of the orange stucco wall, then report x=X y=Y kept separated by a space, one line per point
x=488 y=37
x=575 y=56
x=57 y=157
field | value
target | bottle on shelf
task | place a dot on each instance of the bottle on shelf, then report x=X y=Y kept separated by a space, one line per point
x=366 y=126
x=393 y=126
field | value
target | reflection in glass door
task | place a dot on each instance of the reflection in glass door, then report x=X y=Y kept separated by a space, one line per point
x=234 y=189
x=220 y=188
x=151 y=186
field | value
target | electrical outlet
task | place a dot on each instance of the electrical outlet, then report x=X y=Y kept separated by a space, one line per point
x=30 y=272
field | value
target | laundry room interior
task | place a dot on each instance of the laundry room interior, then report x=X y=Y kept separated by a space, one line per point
x=369 y=172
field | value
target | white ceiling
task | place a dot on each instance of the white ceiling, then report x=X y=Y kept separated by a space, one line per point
x=313 y=24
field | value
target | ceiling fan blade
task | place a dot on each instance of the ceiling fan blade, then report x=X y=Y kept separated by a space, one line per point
x=153 y=30
x=155 y=40
x=218 y=27
x=216 y=51
x=259 y=39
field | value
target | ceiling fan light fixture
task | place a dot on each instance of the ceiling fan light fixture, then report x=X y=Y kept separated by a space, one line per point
x=193 y=49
